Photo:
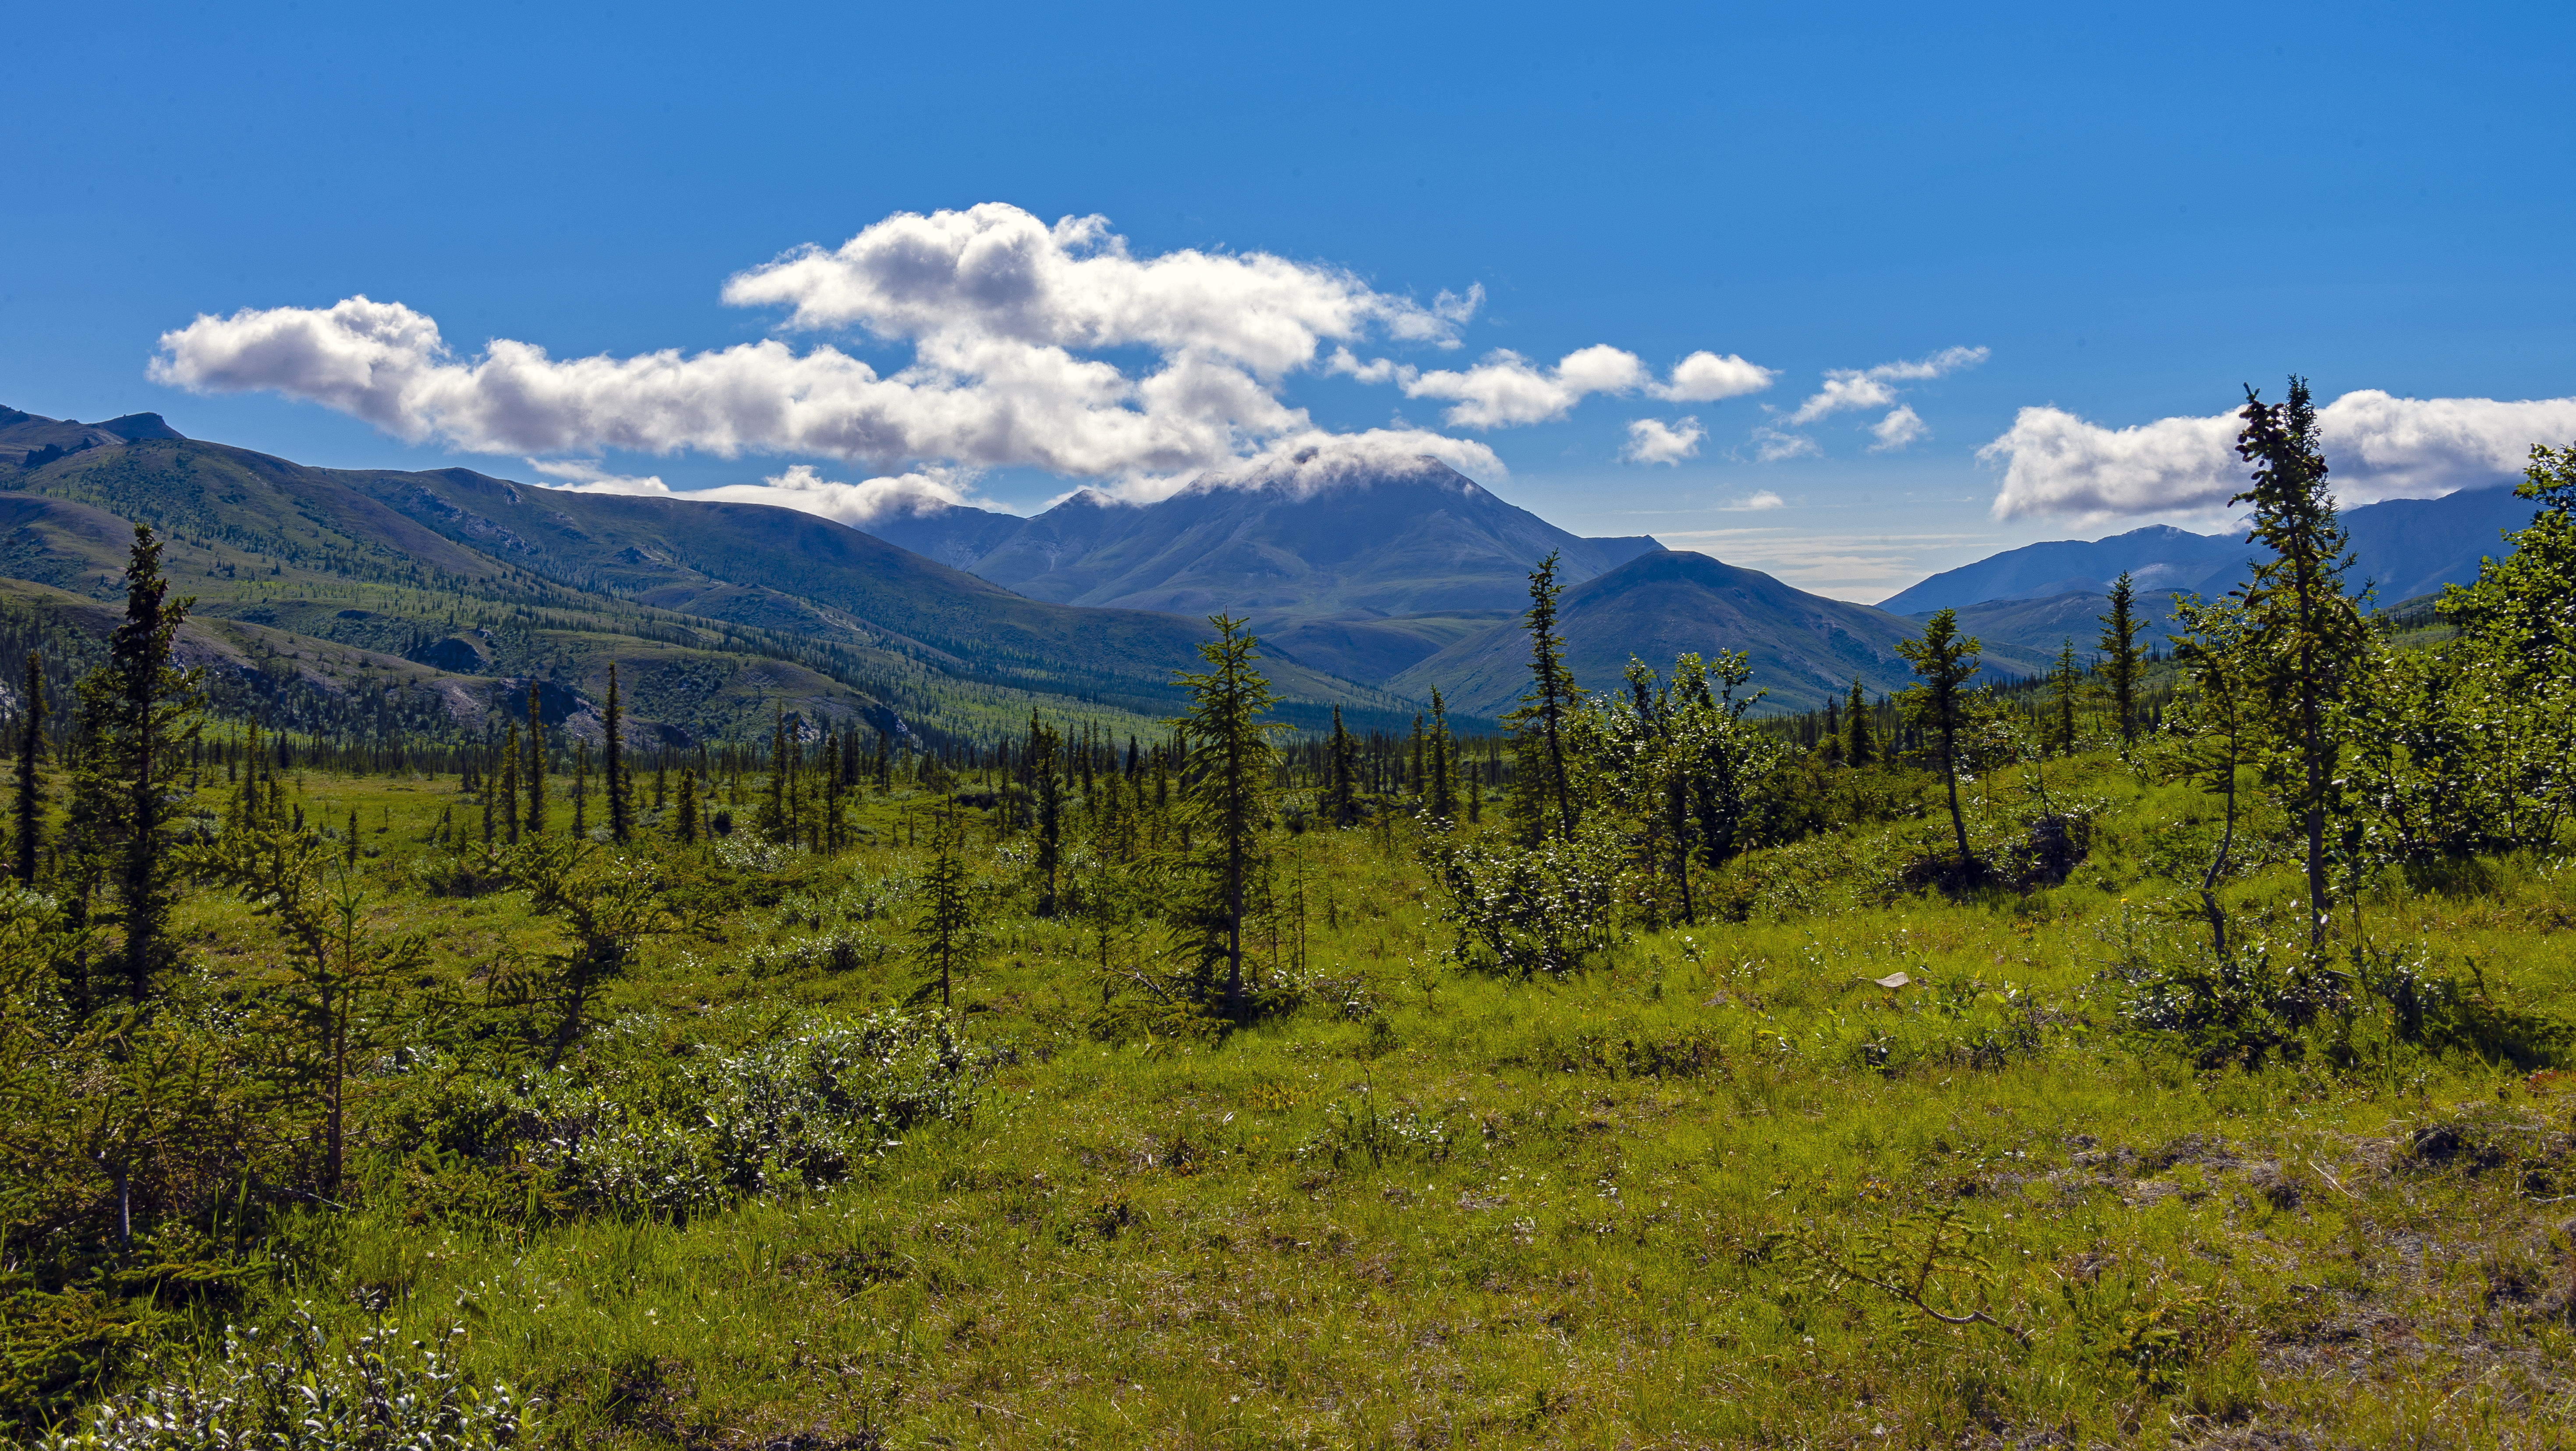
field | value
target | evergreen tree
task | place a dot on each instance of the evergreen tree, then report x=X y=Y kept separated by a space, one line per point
x=885 y=764
x=1859 y=749
x=2307 y=633
x=2065 y=683
x=1943 y=659
x=31 y=745
x=510 y=755
x=1039 y=764
x=1542 y=793
x=621 y=815
x=772 y=820
x=140 y=712
x=536 y=765
x=1440 y=799
x=2119 y=646
x=1228 y=793
x=684 y=821
x=1341 y=798
x=947 y=922
x=581 y=790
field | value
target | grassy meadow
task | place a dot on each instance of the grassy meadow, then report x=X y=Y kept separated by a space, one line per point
x=1723 y=1187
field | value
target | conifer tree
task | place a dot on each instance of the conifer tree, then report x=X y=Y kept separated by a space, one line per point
x=1046 y=791
x=772 y=819
x=621 y=815
x=1440 y=798
x=1542 y=792
x=510 y=755
x=885 y=764
x=1341 y=798
x=2065 y=683
x=684 y=821
x=2308 y=634
x=947 y=919
x=1228 y=793
x=1943 y=659
x=1859 y=748
x=536 y=765
x=2119 y=645
x=140 y=712
x=581 y=790
x=31 y=745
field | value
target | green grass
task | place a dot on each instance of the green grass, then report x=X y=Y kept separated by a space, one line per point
x=1633 y=1207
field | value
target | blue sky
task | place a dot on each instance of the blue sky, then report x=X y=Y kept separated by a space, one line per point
x=2132 y=210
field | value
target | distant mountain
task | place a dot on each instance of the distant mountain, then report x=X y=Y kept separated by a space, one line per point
x=2408 y=547
x=451 y=582
x=2041 y=626
x=1803 y=648
x=1358 y=575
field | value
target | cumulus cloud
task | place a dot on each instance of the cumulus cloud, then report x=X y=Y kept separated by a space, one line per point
x=1653 y=441
x=1759 y=499
x=1849 y=389
x=1505 y=389
x=1004 y=317
x=2378 y=446
x=801 y=487
x=1900 y=427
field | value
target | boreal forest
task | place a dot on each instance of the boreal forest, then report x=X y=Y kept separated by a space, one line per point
x=490 y=966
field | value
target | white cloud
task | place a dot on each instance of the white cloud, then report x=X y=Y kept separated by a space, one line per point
x=1003 y=315
x=1771 y=445
x=998 y=309
x=1704 y=377
x=2377 y=446
x=1505 y=389
x=1850 y=388
x=1847 y=389
x=801 y=487
x=1652 y=441
x=1900 y=427
x=1759 y=499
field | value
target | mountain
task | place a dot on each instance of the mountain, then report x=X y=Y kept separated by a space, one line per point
x=1358 y=574
x=2408 y=547
x=1803 y=648
x=436 y=596
x=2041 y=626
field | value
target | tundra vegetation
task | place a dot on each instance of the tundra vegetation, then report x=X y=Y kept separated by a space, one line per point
x=2172 y=1053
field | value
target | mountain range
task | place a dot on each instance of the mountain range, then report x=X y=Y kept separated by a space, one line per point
x=2404 y=548
x=340 y=596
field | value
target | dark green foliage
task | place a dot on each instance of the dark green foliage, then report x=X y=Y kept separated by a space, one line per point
x=2306 y=632
x=1860 y=746
x=2120 y=657
x=28 y=810
x=138 y=714
x=1542 y=802
x=612 y=747
x=1226 y=800
x=1943 y=660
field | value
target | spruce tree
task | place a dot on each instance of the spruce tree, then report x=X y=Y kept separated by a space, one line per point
x=684 y=821
x=536 y=765
x=1859 y=748
x=2119 y=645
x=946 y=926
x=1542 y=792
x=2065 y=683
x=1039 y=764
x=581 y=790
x=621 y=815
x=141 y=711
x=1341 y=796
x=31 y=745
x=510 y=755
x=1440 y=798
x=2308 y=634
x=1944 y=659
x=1228 y=793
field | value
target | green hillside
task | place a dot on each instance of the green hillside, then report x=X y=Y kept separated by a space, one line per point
x=439 y=593
x=1804 y=648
